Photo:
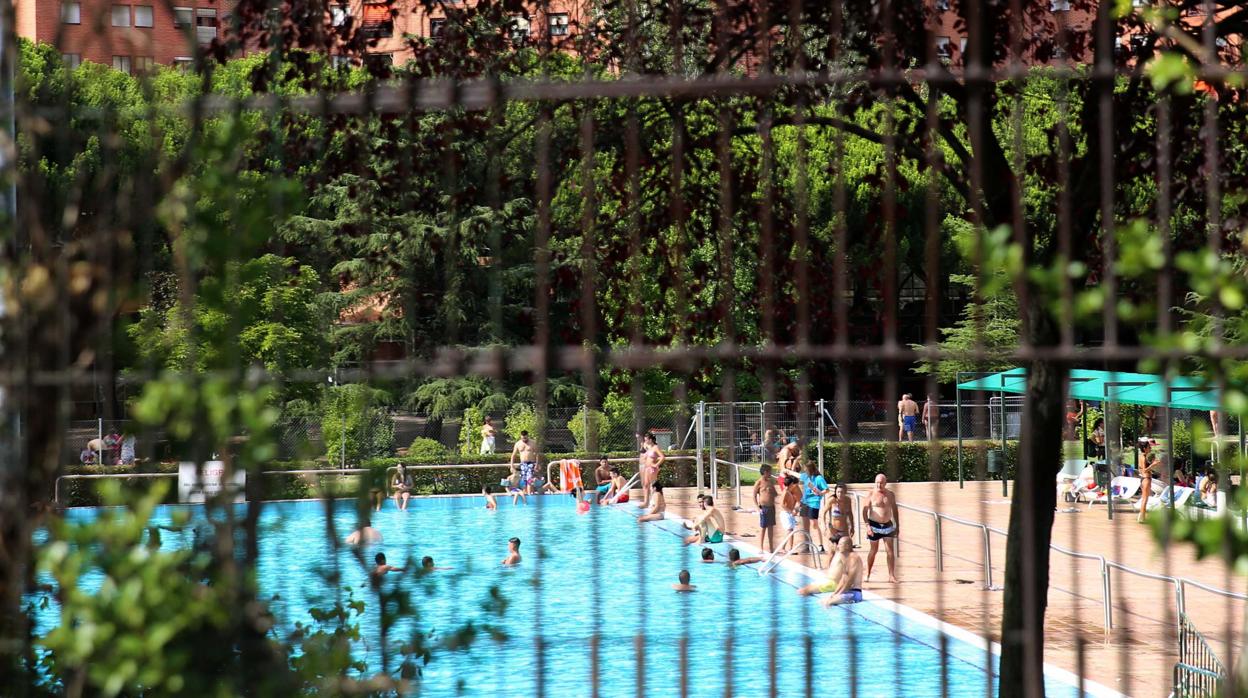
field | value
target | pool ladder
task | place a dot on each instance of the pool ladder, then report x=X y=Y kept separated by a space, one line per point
x=806 y=544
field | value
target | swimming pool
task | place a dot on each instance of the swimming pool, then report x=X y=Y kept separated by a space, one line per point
x=603 y=574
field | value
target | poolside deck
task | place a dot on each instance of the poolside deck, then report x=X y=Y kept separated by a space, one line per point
x=1135 y=658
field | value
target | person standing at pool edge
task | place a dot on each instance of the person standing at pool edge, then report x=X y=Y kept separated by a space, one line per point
x=651 y=458
x=814 y=486
x=881 y=515
x=765 y=500
x=513 y=553
x=526 y=451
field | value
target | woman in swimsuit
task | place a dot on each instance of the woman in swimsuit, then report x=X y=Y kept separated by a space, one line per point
x=401 y=487
x=651 y=458
x=838 y=514
x=1146 y=462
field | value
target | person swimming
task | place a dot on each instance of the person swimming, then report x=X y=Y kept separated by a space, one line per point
x=735 y=559
x=380 y=569
x=683 y=584
x=513 y=553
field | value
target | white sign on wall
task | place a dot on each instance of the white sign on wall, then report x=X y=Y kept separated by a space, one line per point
x=195 y=485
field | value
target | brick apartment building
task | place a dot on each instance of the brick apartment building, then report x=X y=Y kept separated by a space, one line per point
x=132 y=35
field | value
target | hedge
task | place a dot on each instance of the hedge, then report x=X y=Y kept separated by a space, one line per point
x=913 y=460
x=76 y=492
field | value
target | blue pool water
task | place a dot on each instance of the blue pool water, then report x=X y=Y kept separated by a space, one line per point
x=600 y=573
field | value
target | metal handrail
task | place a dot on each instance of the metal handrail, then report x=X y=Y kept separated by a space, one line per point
x=768 y=567
x=56 y=486
x=736 y=473
x=1179 y=583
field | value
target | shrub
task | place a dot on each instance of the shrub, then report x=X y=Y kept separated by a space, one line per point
x=521 y=417
x=913 y=460
x=597 y=423
x=427 y=449
x=470 y=431
x=369 y=432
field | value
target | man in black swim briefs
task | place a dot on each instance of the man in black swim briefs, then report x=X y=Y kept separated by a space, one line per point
x=881 y=514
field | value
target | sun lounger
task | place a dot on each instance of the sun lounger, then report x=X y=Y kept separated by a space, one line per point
x=1121 y=489
x=1162 y=500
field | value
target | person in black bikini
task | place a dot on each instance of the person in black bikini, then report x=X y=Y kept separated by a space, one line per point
x=881 y=514
x=837 y=514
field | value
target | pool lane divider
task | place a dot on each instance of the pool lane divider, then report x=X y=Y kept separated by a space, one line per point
x=797 y=575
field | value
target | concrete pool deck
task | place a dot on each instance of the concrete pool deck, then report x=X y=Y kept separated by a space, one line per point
x=1135 y=658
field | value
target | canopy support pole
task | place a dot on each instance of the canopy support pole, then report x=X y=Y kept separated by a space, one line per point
x=958 y=416
x=1005 y=491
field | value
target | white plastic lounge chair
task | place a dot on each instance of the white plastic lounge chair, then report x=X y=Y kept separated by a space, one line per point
x=1121 y=489
x=1162 y=500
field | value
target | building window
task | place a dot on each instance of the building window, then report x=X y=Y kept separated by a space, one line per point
x=184 y=63
x=339 y=61
x=377 y=22
x=71 y=13
x=205 y=25
x=121 y=15
x=144 y=64
x=436 y=27
x=142 y=15
x=520 y=28
x=558 y=24
x=379 y=61
x=72 y=60
x=944 y=49
x=122 y=63
x=183 y=16
x=942 y=5
x=1059 y=5
x=338 y=15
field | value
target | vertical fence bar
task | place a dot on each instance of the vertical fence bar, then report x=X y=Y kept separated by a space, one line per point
x=699 y=444
x=820 y=436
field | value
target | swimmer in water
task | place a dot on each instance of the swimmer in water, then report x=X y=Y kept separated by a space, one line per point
x=381 y=568
x=513 y=553
x=684 y=584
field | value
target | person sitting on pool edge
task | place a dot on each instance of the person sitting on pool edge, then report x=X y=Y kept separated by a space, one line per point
x=849 y=588
x=684 y=584
x=844 y=580
x=616 y=490
x=658 y=507
x=735 y=559
x=709 y=526
x=602 y=476
x=513 y=553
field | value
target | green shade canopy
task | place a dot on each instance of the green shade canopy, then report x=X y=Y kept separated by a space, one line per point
x=1183 y=392
x=1013 y=381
